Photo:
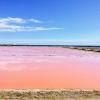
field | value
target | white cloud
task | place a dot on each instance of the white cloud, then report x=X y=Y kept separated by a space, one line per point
x=10 y=24
x=44 y=28
x=10 y=28
x=17 y=28
x=35 y=20
x=18 y=20
x=10 y=19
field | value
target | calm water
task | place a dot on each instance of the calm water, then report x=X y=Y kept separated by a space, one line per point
x=48 y=67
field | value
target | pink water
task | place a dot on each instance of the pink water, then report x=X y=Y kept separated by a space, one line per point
x=48 y=67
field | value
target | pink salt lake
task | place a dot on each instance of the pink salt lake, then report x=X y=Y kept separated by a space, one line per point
x=48 y=67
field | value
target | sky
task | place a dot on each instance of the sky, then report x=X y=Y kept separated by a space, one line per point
x=50 y=22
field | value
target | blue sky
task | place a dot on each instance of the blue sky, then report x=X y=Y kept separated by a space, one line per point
x=50 y=22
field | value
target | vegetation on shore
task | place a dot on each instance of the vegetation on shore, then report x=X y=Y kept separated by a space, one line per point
x=46 y=94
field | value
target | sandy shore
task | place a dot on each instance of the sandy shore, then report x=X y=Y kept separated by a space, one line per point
x=46 y=94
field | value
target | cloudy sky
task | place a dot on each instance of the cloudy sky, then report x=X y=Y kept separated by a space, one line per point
x=50 y=22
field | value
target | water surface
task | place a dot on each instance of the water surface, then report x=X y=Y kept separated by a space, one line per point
x=48 y=67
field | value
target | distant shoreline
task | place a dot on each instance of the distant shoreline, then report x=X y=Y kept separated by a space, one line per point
x=49 y=45
x=77 y=47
